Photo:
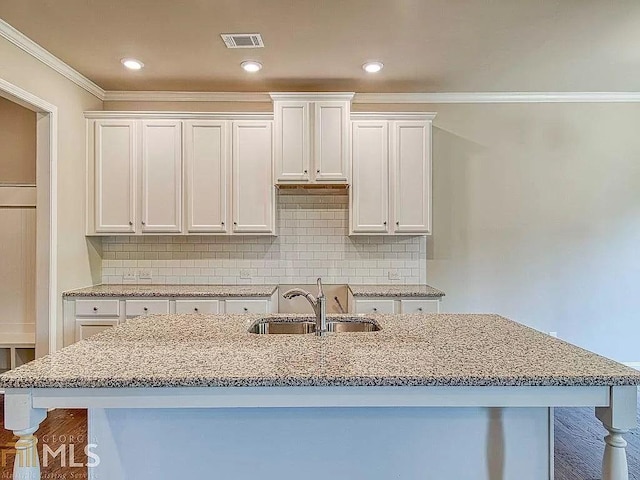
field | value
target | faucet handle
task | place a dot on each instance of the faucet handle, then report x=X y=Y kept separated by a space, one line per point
x=320 y=292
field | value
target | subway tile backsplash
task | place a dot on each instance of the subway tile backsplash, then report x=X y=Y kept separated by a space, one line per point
x=312 y=242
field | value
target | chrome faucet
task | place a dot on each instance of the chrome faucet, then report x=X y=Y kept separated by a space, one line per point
x=319 y=305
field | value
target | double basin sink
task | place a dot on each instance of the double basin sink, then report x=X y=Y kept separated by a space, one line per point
x=304 y=325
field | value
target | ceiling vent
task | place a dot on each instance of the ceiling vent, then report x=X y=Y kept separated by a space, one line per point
x=242 y=40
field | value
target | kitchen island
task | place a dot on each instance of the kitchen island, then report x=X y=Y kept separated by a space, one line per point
x=219 y=400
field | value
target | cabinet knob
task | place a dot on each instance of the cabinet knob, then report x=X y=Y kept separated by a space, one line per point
x=145 y=309
x=195 y=309
x=143 y=222
x=95 y=309
x=318 y=171
x=246 y=309
x=375 y=309
x=384 y=223
x=130 y=223
x=235 y=223
x=306 y=171
x=419 y=309
x=222 y=223
x=398 y=223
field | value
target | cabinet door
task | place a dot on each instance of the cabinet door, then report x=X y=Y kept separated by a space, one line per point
x=114 y=176
x=206 y=160
x=161 y=176
x=246 y=306
x=370 y=183
x=253 y=189
x=292 y=148
x=375 y=306
x=411 y=176
x=331 y=141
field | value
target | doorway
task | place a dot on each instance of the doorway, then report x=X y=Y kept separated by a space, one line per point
x=45 y=296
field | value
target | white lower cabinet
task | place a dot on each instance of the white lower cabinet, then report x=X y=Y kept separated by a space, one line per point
x=394 y=305
x=135 y=308
x=86 y=316
x=197 y=306
x=246 y=306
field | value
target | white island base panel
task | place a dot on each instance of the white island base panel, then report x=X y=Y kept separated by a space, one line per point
x=369 y=433
x=321 y=443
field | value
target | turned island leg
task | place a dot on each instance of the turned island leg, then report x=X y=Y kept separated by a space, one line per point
x=23 y=420
x=618 y=418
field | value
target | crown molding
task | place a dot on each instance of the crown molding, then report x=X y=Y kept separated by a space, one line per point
x=32 y=48
x=158 y=96
x=102 y=114
x=312 y=96
x=498 y=97
x=381 y=98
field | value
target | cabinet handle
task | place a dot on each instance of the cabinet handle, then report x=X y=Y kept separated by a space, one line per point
x=195 y=309
x=95 y=309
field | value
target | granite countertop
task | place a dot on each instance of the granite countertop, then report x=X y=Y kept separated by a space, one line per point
x=410 y=350
x=173 y=291
x=395 y=291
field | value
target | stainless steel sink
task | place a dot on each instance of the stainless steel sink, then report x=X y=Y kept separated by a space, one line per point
x=302 y=325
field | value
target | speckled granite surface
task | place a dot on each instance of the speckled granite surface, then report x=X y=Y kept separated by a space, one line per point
x=217 y=350
x=173 y=291
x=395 y=291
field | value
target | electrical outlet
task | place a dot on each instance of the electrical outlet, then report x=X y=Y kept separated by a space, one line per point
x=129 y=277
x=245 y=273
x=554 y=334
x=144 y=274
x=394 y=275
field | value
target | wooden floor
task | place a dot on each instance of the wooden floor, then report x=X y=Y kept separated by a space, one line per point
x=578 y=445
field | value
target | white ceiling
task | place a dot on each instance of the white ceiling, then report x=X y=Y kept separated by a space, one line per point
x=425 y=45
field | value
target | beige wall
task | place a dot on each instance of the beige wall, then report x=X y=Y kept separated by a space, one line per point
x=78 y=260
x=537 y=217
x=17 y=144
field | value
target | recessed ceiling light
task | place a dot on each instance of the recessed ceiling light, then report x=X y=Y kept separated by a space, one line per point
x=372 y=67
x=132 y=63
x=251 y=66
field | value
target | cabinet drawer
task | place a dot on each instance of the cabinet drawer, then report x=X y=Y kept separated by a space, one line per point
x=246 y=306
x=197 y=306
x=86 y=328
x=375 y=306
x=420 y=306
x=97 y=308
x=134 y=308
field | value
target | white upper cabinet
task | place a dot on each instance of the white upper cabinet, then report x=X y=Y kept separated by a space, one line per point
x=312 y=137
x=208 y=175
x=370 y=189
x=391 y=185
x=292 y=147
x=411 y=176
x=252 y=173
x=161 y=176
x=114 y=176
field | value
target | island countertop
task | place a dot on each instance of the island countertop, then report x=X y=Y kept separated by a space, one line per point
x=112 y=290
x=409 y=350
